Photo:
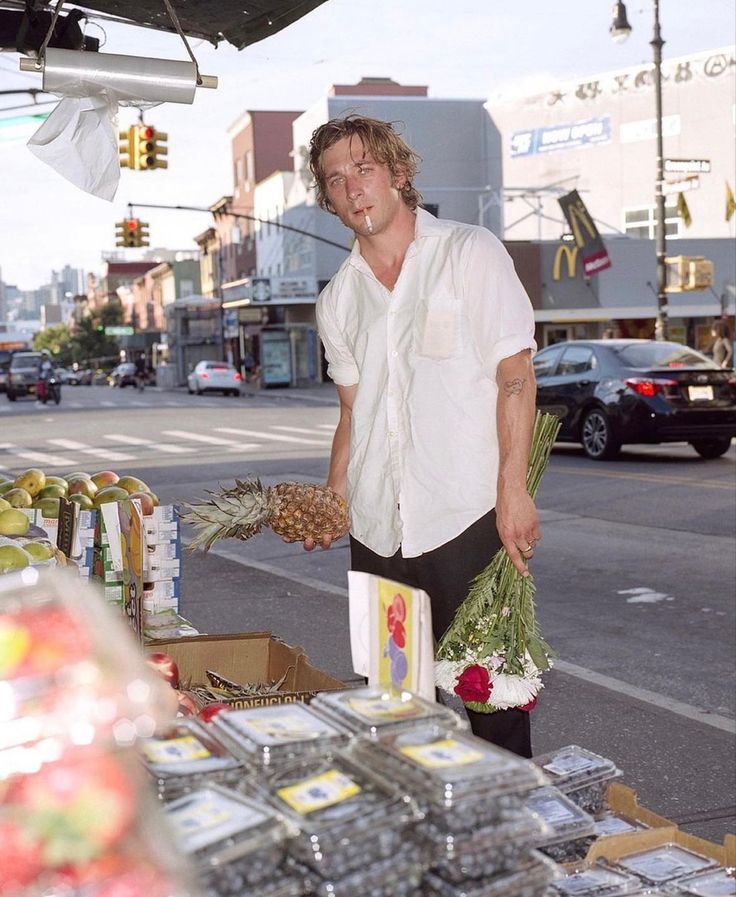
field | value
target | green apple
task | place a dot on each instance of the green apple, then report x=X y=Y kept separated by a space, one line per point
x=32 y=480
x=19 y=498
x=110 y=493
x=49 y=507
x=39 y=551
x=84 y=501
x=13 y=557
x=13 y=522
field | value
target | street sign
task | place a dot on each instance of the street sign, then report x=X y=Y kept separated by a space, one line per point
x=680 y=185
x=119 y=330
x=687 y=166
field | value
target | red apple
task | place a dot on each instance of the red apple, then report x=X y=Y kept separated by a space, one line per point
x=146 y=502
x=399 y=606
x=187 y=707
x=210 y=711
x=165 y=666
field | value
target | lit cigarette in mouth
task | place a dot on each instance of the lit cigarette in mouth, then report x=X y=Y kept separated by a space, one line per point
x=368 y=223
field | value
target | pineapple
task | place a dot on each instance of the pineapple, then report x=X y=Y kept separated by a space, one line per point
x=294 y=511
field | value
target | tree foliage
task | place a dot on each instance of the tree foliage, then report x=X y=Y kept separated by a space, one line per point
x=58 y=340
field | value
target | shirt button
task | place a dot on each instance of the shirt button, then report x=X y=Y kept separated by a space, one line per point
x=394 y=353
x=392 y=433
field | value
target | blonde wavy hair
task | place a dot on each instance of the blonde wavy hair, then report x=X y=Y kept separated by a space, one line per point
x=383 y=143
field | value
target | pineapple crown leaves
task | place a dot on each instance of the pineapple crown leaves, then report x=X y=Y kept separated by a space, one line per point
x=238 y=512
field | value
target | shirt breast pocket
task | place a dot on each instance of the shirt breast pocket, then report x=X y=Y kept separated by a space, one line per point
x=439 y=333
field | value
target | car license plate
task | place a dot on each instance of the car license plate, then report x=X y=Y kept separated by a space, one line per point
x=700 y=393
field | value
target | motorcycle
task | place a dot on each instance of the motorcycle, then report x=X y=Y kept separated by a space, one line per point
x=49 y=389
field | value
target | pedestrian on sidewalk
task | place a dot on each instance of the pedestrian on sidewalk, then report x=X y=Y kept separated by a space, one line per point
x=141 y=371
x=429 y=337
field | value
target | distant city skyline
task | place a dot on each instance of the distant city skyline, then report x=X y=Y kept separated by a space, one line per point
x=479 y=50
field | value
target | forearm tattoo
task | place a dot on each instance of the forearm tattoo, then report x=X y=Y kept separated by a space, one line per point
x=514 y=387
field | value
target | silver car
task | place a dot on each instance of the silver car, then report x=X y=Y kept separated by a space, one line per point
x=214 y=376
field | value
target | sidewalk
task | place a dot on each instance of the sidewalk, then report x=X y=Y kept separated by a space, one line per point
x=319 y=393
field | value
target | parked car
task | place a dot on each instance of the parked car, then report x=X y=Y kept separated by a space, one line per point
x=5 y=357
x=610 y=392
x=63 y=375
x=79 y=376
x=123 y=375
x=214 y=376
x=23 y=374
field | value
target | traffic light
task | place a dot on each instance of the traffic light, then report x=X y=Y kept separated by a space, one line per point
x=148 y=145
x=131 y=233
x=127 y=141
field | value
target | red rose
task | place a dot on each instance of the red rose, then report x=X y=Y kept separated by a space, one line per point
x=474 y=684
x=530 y=706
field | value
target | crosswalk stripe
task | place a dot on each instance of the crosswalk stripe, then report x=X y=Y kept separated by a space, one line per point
x=126 y=440
x=310 y=432
x=85 y=449
x=108 y=404
x=45 y=458
x=169 y=449
x=277 y=437
x=157 y=446
x=199 y=437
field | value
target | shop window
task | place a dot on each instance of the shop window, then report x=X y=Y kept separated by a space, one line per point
x=640 y=222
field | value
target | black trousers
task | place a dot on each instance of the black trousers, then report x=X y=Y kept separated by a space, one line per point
x=445 y=575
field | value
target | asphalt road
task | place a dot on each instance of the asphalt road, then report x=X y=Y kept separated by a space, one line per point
x=635 y=573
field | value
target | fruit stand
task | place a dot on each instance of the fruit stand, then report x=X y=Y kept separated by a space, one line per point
x=229 y=766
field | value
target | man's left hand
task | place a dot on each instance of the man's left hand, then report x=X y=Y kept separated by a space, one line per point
x=517 y=522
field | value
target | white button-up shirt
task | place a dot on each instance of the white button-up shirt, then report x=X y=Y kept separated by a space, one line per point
x=423 y=448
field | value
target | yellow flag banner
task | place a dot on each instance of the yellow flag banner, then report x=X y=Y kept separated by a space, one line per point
x=683 y=211
x=730 y=202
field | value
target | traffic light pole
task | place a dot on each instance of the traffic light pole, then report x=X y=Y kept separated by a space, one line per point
x=296 y=230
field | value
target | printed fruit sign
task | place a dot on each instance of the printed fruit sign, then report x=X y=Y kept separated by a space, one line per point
x=395 y=634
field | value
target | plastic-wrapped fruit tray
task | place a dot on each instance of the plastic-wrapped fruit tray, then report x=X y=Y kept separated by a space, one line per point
x=581 y=774
x=484 y=852
x=530 y=879
x=185 y=756
x=596 y=881
x=233 y=840
x=280 y=732
x=348 y=817
x=664 y=863
x=571 y=827
x=462 y=781
x=372 y=711
x=713 y=883
x=608 y=823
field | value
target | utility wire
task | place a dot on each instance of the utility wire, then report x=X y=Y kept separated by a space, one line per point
x=297 y=230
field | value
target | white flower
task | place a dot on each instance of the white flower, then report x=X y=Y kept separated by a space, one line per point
x=513 y=691
x=446 y=673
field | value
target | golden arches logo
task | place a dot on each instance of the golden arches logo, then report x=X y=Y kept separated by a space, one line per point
x=570 y=254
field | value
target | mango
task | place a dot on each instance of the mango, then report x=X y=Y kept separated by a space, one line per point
x=13 y=522
x=132 y=484
x=52 y=491
x=84 y=501
x=19 y=498
x=13 y=557
x=32 y=480
x=49 y=507
x=39 y=551
x=110 y=493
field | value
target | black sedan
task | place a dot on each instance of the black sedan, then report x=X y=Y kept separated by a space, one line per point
x=610 y=392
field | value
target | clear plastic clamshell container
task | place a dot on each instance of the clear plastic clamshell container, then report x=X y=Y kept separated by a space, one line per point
x=529 y=879
x=185 y=756
x=279 y=732
x=235 y=842
x=608 y=823
x=373 y=711
x=456 y=856
x=597 y=881
x=348 y=817
x=665 y=863
x=581 y=774
x=571 y=826
x=713 y=883
x=462 y=781
x=398 y=876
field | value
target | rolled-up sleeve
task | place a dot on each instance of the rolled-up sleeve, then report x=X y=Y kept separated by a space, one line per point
x=500 y=312
x=341 y=365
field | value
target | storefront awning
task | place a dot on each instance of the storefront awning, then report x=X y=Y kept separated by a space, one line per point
x=704 y=309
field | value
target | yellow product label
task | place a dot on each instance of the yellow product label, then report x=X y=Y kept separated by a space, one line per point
x=318 y=792
x=439 y=754
x=175 y=750
x=385 y=708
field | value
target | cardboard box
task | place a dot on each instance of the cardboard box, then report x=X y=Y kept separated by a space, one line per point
x=252 y=657
x=614 y=847
x=624 y=802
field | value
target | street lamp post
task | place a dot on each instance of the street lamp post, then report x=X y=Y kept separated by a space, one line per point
x=620 y=30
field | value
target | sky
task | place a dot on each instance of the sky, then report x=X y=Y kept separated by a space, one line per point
x=464 y=49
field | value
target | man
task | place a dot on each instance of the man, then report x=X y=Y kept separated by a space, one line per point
x=45 y=373
x=428 y=334
x=141 y=371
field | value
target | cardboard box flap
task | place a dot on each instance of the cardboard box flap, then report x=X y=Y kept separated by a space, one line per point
x=623 y=800
x=613 y=847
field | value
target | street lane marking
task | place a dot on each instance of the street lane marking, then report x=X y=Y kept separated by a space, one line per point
x=157 y=446
x=199 y=437
x=84 y=449
x=310 y=432
x=662 y=702
x=645 y=478
x=277 y=437
x=108 y=404
x=39 y=457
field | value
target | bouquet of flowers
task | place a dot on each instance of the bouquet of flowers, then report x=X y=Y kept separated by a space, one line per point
x=492 y=656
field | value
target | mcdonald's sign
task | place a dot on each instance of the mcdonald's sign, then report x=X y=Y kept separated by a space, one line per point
x=570 y=254
x=587 y=238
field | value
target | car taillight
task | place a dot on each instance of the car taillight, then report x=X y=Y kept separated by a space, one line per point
x=237 y=376
x=204 y=375
x=644 y=386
